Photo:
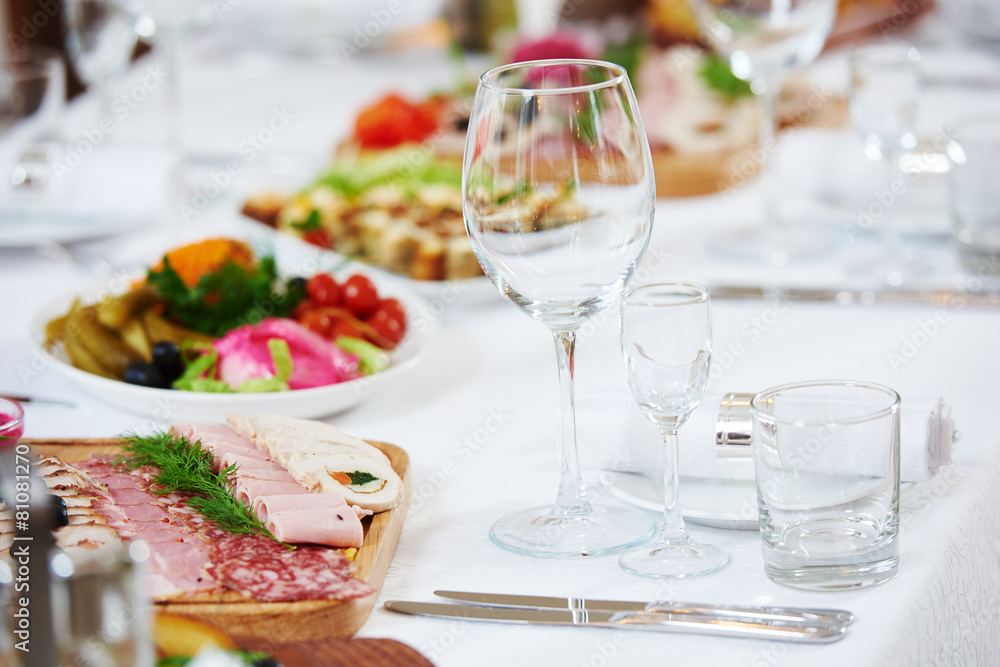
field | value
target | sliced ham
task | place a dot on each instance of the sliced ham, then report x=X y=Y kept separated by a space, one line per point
x=334 y=527
x=239 y=453
x=248 y=489
x=244 y=463
x=211 y=435
x=320 y=502
x=278 y=474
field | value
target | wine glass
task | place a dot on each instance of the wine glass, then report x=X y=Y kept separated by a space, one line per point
x=100 y=38
x=763 y=40
x=32 y=96
x=884 y=100
x=666 y=331
x=558 y=196
x=167 y=24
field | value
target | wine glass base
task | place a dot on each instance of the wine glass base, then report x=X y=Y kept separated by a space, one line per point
x=775 y=247
x=679 y=561
x=541 y=533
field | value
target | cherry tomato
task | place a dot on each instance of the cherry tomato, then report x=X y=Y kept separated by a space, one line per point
x=318 y=237
x=318 y=322
x=301 y=308
x=359 y=296
x=323 y=290
x=344 y=328
x=386 y=325
x=389 y=320
x=394 y=309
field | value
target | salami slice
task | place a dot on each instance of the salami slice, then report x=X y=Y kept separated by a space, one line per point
x=270 y=572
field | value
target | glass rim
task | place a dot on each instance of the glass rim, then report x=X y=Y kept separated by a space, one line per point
x=875 y=413
x=696 y=291
x=492 y=74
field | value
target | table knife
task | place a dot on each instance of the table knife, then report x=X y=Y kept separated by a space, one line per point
x=729 y=611
x=759 y=628
x=36 y=399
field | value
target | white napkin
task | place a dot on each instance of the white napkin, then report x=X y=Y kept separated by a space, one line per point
x=615 y=435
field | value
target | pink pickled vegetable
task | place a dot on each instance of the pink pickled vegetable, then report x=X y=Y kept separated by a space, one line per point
x=316 y=362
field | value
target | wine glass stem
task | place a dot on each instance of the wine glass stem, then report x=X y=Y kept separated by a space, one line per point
x=672 y=530
x=572 y=497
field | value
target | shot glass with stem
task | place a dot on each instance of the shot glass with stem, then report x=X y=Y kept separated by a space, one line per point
x=666 y=336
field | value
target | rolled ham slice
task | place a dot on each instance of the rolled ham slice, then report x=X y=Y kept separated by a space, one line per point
x=242 y=455
x=318 y=502
x=248 y=489
x=246 y=463
x=333 y=527
x=279 y=475
x=212 y=434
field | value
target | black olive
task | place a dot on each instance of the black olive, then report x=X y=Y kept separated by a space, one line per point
x=60 y=513
x=267 y=662
x=168 y=360
x=145 y=374
x=297 y=285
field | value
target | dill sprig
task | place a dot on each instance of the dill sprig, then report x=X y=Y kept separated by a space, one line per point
x=182 y=465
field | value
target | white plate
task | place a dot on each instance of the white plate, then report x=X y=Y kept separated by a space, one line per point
x=168 y=405
x=716 y=502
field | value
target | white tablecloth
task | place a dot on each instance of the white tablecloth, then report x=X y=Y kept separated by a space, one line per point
x=478 y=415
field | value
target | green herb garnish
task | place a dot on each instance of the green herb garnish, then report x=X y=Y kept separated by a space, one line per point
x=226 y=298
x=360 y=478
x=520 y=190
x=720 y=78
x=311 y=222
x=182 y=465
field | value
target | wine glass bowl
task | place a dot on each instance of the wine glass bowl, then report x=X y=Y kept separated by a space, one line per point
x=763 y=40
x=666 y=336
x=100 y=37
x=558 y=199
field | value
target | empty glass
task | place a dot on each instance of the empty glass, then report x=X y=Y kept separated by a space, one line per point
x=763 y=40
x=32 y=96
x=100 y=38
x=666 y=332
x=974 y=155
x=826 y=456
x=558 y=197
x=885 y=97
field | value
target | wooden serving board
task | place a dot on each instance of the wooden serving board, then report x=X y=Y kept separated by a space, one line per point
x=259 y=624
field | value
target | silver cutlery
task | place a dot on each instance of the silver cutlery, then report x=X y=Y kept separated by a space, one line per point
x=37 y=399
x=783 y=623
